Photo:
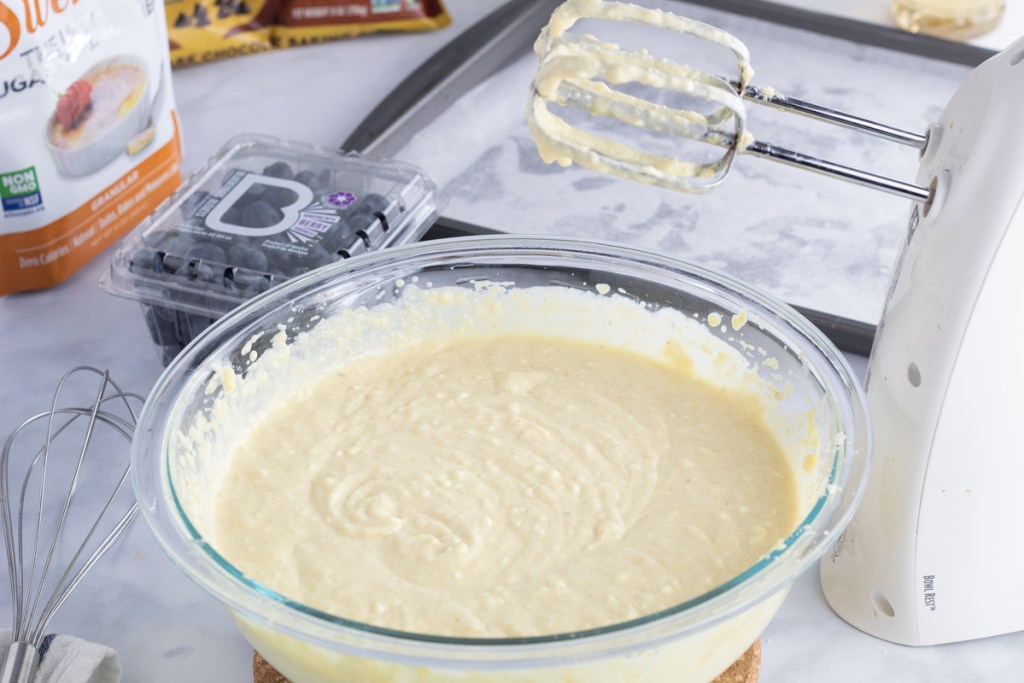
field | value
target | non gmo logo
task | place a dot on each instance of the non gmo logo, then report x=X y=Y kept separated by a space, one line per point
x=19 y=192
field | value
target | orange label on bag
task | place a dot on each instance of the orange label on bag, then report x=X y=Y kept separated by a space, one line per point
x=51 y=253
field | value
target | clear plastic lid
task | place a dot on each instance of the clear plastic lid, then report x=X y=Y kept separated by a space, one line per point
x=260 y=212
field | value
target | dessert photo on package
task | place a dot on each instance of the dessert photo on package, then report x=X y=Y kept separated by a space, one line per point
x=91 y=140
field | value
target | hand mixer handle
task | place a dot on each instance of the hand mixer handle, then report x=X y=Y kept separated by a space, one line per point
x=933 y=554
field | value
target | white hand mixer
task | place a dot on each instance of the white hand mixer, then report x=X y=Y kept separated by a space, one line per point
x=933 y=553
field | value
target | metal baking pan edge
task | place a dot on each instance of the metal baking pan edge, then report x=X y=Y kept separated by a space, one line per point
x=849 y=336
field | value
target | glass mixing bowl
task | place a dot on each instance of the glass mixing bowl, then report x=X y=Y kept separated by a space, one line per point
x=692 y=641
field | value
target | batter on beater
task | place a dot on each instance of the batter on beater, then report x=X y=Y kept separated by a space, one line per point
x=575 y=70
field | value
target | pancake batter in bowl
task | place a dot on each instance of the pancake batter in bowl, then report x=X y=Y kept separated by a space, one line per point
x=503 y=485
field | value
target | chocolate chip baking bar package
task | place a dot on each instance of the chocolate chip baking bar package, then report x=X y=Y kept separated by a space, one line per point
x=89 y=141
x=205 y=30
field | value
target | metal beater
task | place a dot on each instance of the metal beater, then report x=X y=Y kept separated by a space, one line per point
x=44 y=560
x=578 y=71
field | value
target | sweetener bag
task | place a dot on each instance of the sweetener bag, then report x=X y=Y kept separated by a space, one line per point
x=89 y=140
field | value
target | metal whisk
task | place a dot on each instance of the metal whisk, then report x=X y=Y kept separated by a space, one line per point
x=576 y=70
x=49 y=491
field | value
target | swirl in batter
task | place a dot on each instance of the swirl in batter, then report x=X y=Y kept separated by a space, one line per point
x=501 y=486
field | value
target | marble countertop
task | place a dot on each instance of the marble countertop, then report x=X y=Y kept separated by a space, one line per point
x=168 y=630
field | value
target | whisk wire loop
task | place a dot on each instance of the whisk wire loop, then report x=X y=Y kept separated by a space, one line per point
x=36 y=548
x=72 y=486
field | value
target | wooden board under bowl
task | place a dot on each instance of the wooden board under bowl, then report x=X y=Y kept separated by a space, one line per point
x=746 y=669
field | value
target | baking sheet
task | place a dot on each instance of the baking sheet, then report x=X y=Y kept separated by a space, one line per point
x=811 y=241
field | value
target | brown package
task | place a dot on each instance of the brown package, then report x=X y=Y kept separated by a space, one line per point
x=205 y=30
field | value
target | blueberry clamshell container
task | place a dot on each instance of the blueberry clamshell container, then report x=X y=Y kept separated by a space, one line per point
x=260 y=212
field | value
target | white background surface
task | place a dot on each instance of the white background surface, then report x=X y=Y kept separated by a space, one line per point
x=168 y=630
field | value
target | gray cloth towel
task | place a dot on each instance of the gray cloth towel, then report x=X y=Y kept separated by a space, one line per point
x=66 y=659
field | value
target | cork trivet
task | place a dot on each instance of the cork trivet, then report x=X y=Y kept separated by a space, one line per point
x=746 y=669
x=262 y=672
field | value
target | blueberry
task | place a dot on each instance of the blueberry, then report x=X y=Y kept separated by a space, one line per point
x=175 y=242
x=374 y=202
x=307 y=178
x=173 y=262
x=282 y=271
x=161 y=328
x=169 y=351
x=228 y=282
x=196 y=271
x=233 y=215
x=254 y=192
x=325 y=178
x=360 y=219
x=251 y=284
x=317 y=256
x=279 y=169
x=242 y=255
x=243 y=284
x=278 y=261
x=145 y=261
x=279 y=196
x=260 y=214
x=204 y=251
x=165 y=313
x=324 y=184
x=341 y=235
x=190 y=325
